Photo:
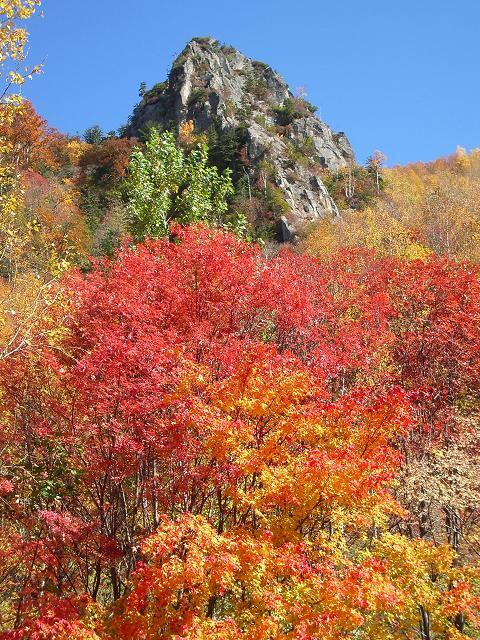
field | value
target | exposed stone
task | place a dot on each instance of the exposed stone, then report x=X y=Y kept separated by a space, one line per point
x=288 y=232
x=217 y=86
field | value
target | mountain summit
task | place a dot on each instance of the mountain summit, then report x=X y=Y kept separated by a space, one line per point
x=272 y=140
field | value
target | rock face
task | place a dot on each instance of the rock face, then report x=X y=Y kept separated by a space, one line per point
x=284 y=145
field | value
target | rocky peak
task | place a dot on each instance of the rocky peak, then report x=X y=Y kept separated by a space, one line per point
x=285 y=146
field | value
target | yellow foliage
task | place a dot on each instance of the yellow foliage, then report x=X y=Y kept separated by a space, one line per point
x=20 y=295
x=429 y=582
x=13 y=40
x=12 y=44
x=373 y=228
x=442 y=202
x=424 y=208
x=187 y=136
x=75 y=148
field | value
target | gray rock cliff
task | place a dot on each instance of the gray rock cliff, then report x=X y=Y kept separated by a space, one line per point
x=285 y=146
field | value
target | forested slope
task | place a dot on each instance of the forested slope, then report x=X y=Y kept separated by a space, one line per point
x=207 y=433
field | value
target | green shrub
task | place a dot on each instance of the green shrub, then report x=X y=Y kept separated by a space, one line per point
x=244 y=111
x=302 y=152
x=225 y=150
x=275 y=198
x=261 y=120
x=260 y=67
x=256 y=86
x=292 y=109
x=309 y=106
x=287 y=113
x=199 y=95
x=206 y=42
x=228 y=51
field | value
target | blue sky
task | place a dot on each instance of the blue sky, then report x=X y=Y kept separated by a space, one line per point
x=401 y=76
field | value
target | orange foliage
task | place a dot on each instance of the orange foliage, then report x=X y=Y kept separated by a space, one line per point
x=36 y=146
x=106 y=163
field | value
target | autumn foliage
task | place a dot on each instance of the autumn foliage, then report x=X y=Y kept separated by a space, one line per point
x=422 y=208
x=217 y=445
x=202 y=442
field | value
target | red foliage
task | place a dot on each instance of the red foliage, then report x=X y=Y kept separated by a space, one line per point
x=190 y=367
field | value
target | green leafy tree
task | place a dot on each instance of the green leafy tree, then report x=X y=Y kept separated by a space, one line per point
x=94 y=135
x=167 y=183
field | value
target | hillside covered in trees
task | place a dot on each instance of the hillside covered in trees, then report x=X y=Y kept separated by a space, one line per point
x=211 y=429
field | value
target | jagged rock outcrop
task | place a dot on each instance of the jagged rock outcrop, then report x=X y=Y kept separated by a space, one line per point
x=285 y=146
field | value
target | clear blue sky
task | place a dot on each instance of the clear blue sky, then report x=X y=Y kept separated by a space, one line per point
x=401 y=76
